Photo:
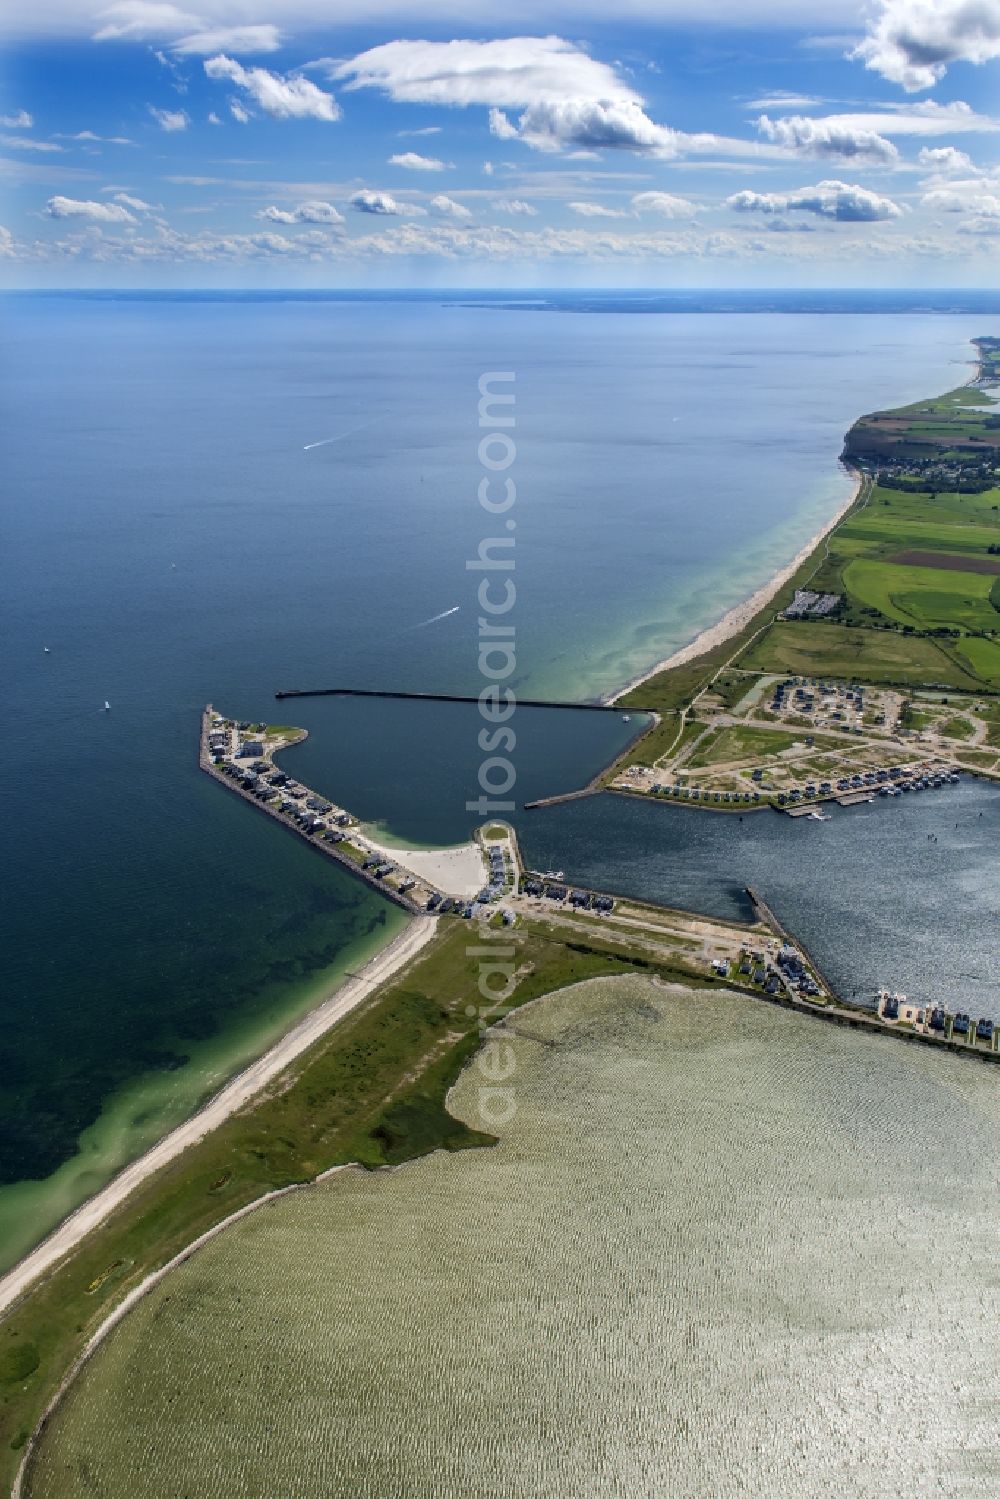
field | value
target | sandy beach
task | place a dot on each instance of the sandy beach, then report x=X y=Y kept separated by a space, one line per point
x=233 y=1096
x=456 y=871
x=736 y=619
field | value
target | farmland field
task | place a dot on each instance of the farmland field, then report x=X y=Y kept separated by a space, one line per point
x=806 y=648
x=926 y=597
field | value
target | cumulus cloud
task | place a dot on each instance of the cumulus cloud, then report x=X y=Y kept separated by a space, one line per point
x=945 y=160
x=596 y=210
x=447 y=208
x=828 y=137
x=20 y=121
x=412 y=161
x=986 y=205
x=914 y=42
x=370 y=201
x=289 y=97
x=169 y=119
x=516 y=206
x=80 y=208
x=569 y=100
x=239 y=39
x=314 y=212
x=840 y=201
x=589 y=125
x=665 y=204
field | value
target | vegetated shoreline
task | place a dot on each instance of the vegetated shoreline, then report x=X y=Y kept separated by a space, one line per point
x=236 y=1093
x=736 y=619
x=149 y=1283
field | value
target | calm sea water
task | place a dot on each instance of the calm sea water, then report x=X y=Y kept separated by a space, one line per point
x=719 y=1251
x=171 y=539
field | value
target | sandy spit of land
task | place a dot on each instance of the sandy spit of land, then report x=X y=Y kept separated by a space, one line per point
x=232 y=1097
x=737 y=618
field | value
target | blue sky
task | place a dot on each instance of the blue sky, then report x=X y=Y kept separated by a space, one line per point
x=720 y=143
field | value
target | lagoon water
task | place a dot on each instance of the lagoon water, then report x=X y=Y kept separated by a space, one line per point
x=719 y=1251
x=172 y=536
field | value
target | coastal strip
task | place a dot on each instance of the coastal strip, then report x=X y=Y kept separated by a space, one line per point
x=236 y=1093
x=736 y=619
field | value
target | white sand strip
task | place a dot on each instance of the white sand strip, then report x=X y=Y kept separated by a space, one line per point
x=740 y=615
x=456 y=871
x=239 y=1091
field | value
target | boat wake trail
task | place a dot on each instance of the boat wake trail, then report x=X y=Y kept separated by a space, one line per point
x=435 y=617
x=325 y=441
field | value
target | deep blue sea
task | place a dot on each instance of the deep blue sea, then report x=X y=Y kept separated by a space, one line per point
x=211 y=497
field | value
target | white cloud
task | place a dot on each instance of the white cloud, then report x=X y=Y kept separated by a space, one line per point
x=90 y=135
x=487 y=168
x=241 y=115
x=828 y=137
x=596 y=210
x=780 y=99
x=945 y=160
x=77 y=208
x=413 y=162
x=589 y=125
x=501 y=127
x=24 y=143
x=981 y=226
x=665 y=204
x=570 y=101
x=291 y=97
x=914 y=42
x=136 y=203
x=423 y=130
x=169 y=119
x=213 y=118
x=925 y=118
x=369 y=201
x=313 y=212
x=20 y=121
x=516 y=206
x=512 y=72
x=239 y=39
x=136 y=20
x=987 y=205
x=840 y=201
x=447 y=208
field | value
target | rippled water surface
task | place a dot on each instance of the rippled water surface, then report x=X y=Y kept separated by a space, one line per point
x=719 y=1251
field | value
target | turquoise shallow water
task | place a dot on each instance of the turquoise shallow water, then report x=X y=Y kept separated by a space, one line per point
x=171 y=540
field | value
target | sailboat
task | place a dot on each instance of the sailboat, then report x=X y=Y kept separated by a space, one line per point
x=107 y=706
x=45 y=649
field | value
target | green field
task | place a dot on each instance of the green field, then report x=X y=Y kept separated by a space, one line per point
x=750 y=743
x=807 y=648
x=927 y=597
